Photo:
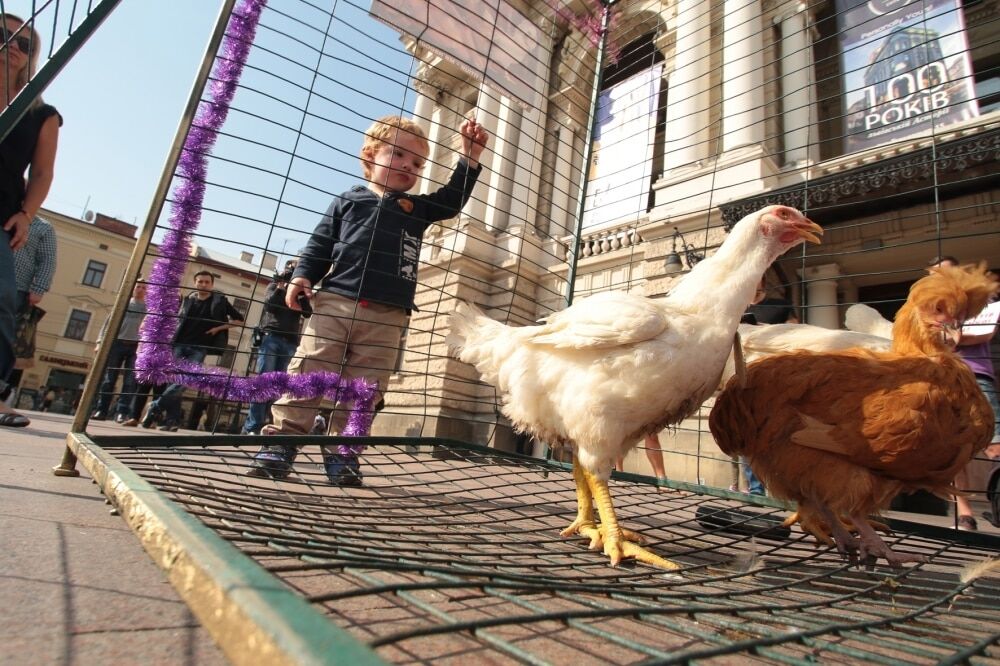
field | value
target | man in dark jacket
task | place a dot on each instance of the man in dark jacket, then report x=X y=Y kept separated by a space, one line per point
x=205 y=319
x=280 y=327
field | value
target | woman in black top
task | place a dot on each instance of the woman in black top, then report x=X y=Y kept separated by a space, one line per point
x=31 y=143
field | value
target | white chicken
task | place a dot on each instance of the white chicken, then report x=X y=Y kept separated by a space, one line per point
x=613 y=367
x=866 y=319
x=761 y=341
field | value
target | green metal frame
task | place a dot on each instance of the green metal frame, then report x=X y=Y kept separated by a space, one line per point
x=252 y=616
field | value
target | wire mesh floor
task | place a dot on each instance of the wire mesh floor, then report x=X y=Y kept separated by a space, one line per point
x=452 y=552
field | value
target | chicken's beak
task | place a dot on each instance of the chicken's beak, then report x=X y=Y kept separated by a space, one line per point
x=809 y=230
x=951 y=332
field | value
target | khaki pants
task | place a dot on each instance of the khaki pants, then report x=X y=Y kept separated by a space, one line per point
x=345 y=337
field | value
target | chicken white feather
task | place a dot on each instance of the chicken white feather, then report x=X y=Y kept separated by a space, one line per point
x=760 y=341
x=866 y=319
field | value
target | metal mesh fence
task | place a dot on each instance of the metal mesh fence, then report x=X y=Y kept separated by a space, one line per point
x=451 y=552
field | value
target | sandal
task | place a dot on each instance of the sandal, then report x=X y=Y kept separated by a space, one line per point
x=13 y=420
x=967 y=524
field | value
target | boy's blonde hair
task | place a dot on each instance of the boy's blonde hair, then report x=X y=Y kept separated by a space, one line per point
x=383 y=132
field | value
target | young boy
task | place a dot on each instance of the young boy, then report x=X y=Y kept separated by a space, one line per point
x=360 y=270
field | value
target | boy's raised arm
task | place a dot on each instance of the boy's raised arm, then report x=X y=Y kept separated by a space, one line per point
x=474 y=140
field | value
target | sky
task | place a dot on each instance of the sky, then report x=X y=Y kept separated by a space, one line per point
x=291 y=139
x=121 y=98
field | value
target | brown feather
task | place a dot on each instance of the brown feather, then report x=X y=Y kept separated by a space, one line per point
x=852 y=429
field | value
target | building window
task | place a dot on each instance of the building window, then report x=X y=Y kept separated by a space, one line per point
x=94 y=275
x=76 y=328
x=242 y=306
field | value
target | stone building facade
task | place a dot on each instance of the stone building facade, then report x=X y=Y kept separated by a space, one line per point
x=748 y=113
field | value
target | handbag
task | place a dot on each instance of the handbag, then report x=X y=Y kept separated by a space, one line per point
x=25 y=329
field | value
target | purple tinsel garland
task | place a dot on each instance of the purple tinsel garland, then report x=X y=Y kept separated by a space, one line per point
x=155 y=363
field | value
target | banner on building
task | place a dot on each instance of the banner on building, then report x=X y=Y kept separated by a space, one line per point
x=490 y=39
x=621 y=164
x=906 y=69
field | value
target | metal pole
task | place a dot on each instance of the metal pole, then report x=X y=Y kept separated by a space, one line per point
x=588 y=149
x=68 y=465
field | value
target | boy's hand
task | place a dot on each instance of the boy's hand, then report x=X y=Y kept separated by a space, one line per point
x=474 y=140
x=298 y=285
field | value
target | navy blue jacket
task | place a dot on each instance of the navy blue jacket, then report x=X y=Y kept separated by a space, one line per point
x=367 y=247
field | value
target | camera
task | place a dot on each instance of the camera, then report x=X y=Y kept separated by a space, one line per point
x=305 y=304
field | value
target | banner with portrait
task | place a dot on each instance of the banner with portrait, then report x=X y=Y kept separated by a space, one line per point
x=906 y=69
x=621 y=163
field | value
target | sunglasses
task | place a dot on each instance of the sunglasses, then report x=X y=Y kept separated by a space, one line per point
x=23 y=43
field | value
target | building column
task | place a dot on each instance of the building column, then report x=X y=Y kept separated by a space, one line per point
x=742 y=75
x=433 y=111
x=561 y=183
x=687 y=124
x=423 y=108
x=528 y=157
x=487 y=113
x=501 y=175
x=821 y=295
x=798 y=101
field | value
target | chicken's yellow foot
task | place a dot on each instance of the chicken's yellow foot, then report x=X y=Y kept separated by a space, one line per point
x=596 y=534
x=584 y=505
x=616 y=545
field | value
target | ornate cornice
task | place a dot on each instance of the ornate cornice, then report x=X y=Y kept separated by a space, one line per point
x=885 y=177
x=431 y=81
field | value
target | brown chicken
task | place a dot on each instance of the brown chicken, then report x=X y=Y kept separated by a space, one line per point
x=842 y=433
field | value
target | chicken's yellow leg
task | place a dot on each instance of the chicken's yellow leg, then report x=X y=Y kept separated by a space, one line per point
x=584 y=523
x=616 y=543
x=584 y=505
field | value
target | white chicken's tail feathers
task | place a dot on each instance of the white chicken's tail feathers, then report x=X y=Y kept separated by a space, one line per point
x=469 y=328
x=480 y=341
x=866 y=319
x=464 y=323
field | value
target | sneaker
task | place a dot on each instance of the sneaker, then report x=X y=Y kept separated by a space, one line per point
x=120 y=419
x=967 y=524
x=273 y=461
x=343 y=470
x=130 y=423
x=152 y=416
x=98 y=416
x=168 y=427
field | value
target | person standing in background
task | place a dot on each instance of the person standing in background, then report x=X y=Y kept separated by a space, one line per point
x=34 y=267
x=121 y=359
x=974 y=348
x=35 y=264
x=205 y=319
x=32 y=142
x=280 y=326
x=763 y=311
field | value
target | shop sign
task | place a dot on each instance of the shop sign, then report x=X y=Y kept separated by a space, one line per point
x=63 y=362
